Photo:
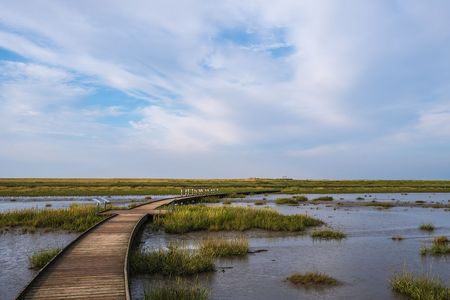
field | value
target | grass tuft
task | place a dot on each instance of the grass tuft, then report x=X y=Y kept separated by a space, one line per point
x=324 y=198
x=426 y=227
x=260 y=202
x=328 y=234
x=175 y=261
x=76 y=218
x=181 y=290
x=227 y=202
x=312 y=279
x=419 y=288
x=39 y=259
x=188 y=218
x=440 y=246
x=380 y=204
x=219 y=247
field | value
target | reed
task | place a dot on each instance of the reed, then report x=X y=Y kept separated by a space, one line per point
x=39 y=259
x=181 y=290
x=440 y=246
x=188 y=218
x=219 y=247
x=176 y=261
x=324 y=198
x=328 y=234
x=380 y=204
x=312 y=279
x=260 y=202
x=426 y=227
x=77 y=218
x=419 y=287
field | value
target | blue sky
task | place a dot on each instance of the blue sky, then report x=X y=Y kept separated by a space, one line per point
x=305 y=89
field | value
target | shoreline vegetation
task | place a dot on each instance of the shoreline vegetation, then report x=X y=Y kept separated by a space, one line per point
x=39 y=259
x=178 y=260
x=182 y=219
x=419 y=287
x=123 y=186
x=312 y=279
x=77 y=218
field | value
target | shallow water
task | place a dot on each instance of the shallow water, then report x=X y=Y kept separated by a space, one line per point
x=15 y=248
x=10 y=203
x=363 y=262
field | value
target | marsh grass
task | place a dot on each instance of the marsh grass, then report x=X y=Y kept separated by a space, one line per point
x=260 y=202
x=76 y=218
x=380 y=204
x=188 y=218
x=328 y=234
x=39 y=259
x=426 y=227
x=295 y=200
x=440 y=246
x=180 y=290
x=288 y=201
x=219 y=247
x=419 y=287
x=324 y=198
x=176 y=261
x=209 y=199
x=312 y=279
x=227 y=202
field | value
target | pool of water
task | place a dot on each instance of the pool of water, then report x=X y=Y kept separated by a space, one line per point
x=363 y=262
x=15 y=248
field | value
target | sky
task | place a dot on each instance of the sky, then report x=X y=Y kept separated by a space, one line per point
x=225 y=89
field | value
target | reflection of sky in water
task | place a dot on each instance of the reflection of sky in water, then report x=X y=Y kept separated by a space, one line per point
x=364 y=261
x=15 y=249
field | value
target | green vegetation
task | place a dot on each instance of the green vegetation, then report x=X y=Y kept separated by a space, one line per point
x=426 y=227
x=380 y=204
x=312 y=279
x=419 y=288
x=324 y=198
x=360 y=198
x=39 y=259
x=179 y=261
x=209 y=199
x=328 y=234
x=260 y=202
x=176 y=261
x=397 y=237
x=291 y=201
x=196 y=217
x=180 y=290
x=218 y=247
x=227 y=202
x=119 y=186
x=76 y=218
x=440 y=246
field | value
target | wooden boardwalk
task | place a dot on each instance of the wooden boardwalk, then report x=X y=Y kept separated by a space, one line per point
x=94 y=266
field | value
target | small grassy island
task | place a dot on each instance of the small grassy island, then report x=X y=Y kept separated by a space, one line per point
x=188 y=218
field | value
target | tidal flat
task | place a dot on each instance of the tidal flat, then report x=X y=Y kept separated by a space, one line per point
x=363 y=263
